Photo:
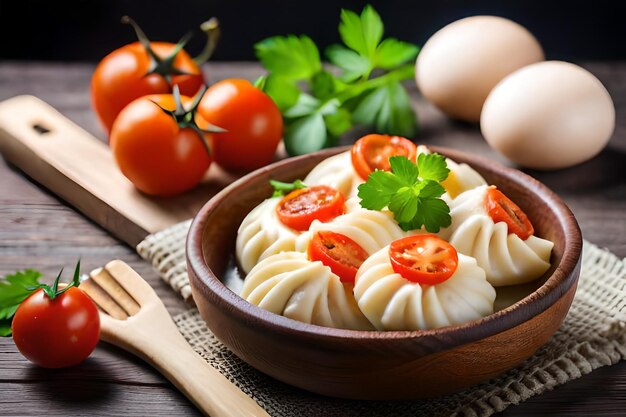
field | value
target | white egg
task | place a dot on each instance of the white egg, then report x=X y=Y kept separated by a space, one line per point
x=461 y=63
x=548 y=115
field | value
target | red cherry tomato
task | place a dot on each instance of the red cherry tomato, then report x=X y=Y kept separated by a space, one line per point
x=56 y=333
x=253 y=122
x=501 y=209
x=372 y=152
x=121 y=77
x=153 y=152
x=299 y=208
x=425 y=259
x=338 y=252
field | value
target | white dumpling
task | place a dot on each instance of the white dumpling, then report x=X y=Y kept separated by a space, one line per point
x=505 y=257
x=336 y=172
x=291 y=285
x=371 y=229
x=462 y=177
x=262 y=234
x=391 y=302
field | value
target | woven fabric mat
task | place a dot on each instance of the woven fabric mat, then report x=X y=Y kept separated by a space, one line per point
x=593 y=335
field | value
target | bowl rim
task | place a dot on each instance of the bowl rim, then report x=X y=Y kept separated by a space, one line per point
x=541 y=299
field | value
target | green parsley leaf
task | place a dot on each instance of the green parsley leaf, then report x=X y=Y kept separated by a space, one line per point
x=306 y=105
x=431 y=189
x=312 y=124
x=414 y=200
x=368 y=107
x=284 y=188
x=293 y=57
x=376 y=193
x=15 y=288
x=353 y=65
x=433 y=167
x=403 y=205
x=363 y=33
x=323 y=85
x=433 y=213
x=373 y=28
x=392 y=53
x=283 y=91
x=306 y=134
x=339 y=122
x=389 y=109
x=404 y=169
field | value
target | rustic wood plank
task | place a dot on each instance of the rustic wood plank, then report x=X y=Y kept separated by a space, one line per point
x=78 y=397
x=37 y=230
x=103 y=365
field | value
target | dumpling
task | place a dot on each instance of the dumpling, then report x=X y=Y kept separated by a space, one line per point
x=462 y=177
x=336 y=172
x=391 y=302
x=262 y=234
x=371 y=229
x=291 y=285
x=505 y=257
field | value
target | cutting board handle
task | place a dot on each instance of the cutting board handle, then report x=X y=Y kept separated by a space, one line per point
x=80 y=169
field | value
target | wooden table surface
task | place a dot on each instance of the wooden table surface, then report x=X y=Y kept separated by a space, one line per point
x=37 y=230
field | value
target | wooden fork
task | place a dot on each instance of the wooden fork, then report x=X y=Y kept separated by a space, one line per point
x=133 y=317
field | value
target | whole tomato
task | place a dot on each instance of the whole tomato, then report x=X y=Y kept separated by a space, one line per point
x=143 y=68
x=59 y=332
x=161 y=154
x=253 y=123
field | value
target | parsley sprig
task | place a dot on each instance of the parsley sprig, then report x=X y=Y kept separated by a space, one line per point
x=283 y=188
x=15 y=288
x=411 y=192
x=317 y=106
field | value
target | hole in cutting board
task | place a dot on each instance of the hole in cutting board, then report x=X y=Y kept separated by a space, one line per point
x=41 y=129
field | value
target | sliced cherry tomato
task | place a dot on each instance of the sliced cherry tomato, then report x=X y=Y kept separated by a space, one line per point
x=253 y=123
x=425 y=259
x=501 y=209
x=372 y=152
x=152 y=149
x=338 y=252
x=59 y=332
x=299 y=208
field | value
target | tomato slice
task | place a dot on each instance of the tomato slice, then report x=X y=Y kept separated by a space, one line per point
x=338 y=252
x=425 y=259
x=501 y=209
x=299 y=208
x=372 y=152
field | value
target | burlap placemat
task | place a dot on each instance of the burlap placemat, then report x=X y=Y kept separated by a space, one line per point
x=593 y=335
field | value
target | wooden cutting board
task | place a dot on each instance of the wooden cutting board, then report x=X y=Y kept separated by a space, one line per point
x=81 y=170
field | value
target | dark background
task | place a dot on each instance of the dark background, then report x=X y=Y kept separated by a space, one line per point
x=87 y=30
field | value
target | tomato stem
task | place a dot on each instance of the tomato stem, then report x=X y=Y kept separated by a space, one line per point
x=141 y=37
x=53 y=292
x=161 y=66
x=211 y=29
x=186 y=118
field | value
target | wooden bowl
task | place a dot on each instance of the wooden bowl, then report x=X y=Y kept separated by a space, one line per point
x=376 y=364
